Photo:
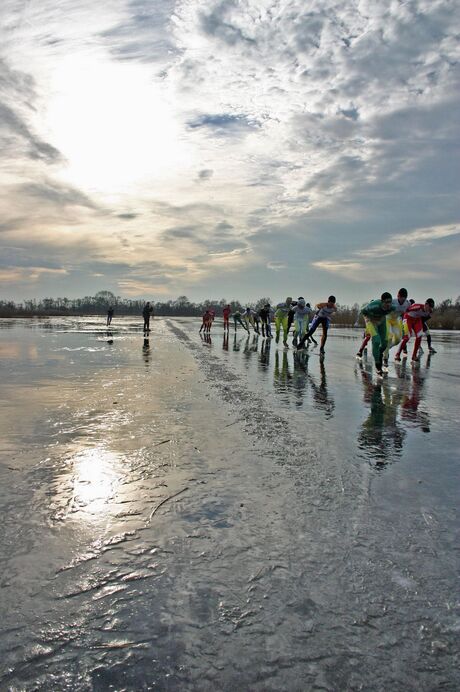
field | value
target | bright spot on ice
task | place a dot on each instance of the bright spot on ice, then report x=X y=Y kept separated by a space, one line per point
x=96 y=479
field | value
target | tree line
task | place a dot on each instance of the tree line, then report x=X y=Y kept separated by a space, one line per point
x=445 y=316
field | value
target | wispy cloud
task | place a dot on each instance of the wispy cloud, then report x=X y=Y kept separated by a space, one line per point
x=412 y=261
x=17 y=137
x=276 y=266
x=27 y=275
x=397 y=243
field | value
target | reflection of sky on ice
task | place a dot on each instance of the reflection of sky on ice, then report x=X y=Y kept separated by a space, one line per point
x=335 y=398
x=165 y=499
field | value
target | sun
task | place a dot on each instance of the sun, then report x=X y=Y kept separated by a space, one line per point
x=116 y=127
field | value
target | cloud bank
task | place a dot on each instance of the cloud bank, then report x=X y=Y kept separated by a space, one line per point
x=219 y=147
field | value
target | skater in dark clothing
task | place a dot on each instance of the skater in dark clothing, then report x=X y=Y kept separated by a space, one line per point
x=147 y=312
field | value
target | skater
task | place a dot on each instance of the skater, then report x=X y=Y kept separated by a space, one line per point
x=302 y=314
x=110 y=313
x=282 y=320
x=250 y=317
x=206 y=322
x=265 y=315
x=237 y=320
x=323 y=318
x=311 y=338
x=147 y=313
x=413 y=324
x=375 y=314
x=226 y=312
x=395 y=325
x=291 y=315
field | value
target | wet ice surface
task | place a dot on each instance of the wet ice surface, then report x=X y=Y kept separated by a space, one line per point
x=186 y=515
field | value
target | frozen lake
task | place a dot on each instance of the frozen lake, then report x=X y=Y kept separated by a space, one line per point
x=185 y=514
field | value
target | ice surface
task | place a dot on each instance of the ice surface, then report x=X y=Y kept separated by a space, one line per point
x=181 y=513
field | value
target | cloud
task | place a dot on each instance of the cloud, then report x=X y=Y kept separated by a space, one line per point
x=136 y=287
x=13 y=127
x=276 y=266
x=347 y=267
x=180 y=233
x=411 y=258
x=223 y=124
x=17 y=95
x=205 y=174
x=217 y=22
x=143 y=33
x=27 y=275
x=127 y=216
x=396 y=243
x=53 y=193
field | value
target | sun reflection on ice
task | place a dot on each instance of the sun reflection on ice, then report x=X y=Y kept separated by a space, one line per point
x=95 y=480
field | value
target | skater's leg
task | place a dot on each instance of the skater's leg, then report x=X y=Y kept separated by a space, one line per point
x=313 y=327
x=285 y=325
x=325 y=322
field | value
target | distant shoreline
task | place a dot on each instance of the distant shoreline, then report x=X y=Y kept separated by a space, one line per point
x=103 y=315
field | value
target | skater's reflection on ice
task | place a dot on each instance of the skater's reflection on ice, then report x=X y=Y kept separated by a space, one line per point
x=146 y=351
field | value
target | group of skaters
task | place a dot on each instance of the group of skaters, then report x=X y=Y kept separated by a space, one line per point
x=389 y=322
x=296 y=313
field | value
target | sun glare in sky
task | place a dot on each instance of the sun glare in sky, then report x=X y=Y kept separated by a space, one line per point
x=113 y=124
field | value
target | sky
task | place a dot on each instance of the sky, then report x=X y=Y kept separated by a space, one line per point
x=229 y=148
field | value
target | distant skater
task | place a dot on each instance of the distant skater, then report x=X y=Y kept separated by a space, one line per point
x=311 y=338
x=282 y=320
x=265 y=315
x=147 y=313
x=110 y=312
x=226 y=312
x=323 y=318
x=251 y=318
x=291 y=315
x=206 y=322
x=237 y=320
x=302 y=314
